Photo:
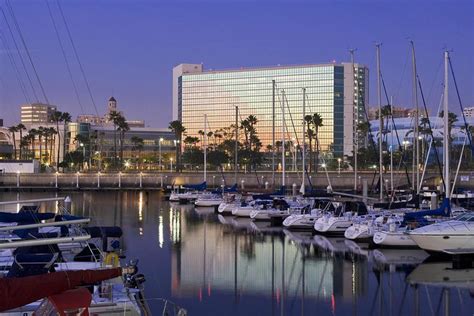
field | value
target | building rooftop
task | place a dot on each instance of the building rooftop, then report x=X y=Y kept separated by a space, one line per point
x=256 y=68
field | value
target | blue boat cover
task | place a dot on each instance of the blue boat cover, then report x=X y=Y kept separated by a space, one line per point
x=24 y=217
x=443 y=210
x=198 y=187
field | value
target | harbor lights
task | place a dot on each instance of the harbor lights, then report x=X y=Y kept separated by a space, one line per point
x=339 y=165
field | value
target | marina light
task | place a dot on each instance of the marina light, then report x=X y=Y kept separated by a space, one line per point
x=323 y=165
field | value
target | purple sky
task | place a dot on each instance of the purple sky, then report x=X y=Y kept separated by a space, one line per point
x=128 y=48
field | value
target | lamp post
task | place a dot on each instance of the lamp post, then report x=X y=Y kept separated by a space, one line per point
x=339 y=165
x=83 y=154
x=171 y=164
x=159 y=149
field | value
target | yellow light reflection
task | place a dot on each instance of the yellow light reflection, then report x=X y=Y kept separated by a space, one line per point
x=160 y=231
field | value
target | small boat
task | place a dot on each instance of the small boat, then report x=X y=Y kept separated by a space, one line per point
x=245 y=208
x=190 y=194
x=455 y=235
x=306 y=220
x=208 y=200
x=279 y=208
x=341 y=219
x=364 y=227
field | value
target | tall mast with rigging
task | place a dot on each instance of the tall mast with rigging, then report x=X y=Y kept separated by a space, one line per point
x=446 y=127
x=379 y=99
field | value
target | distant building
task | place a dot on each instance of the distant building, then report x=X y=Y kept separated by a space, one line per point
x=1 y=122
x=469 y=112
x=397 y=112
x=37 y=113
x=6 y=143
x=99 y=147
x=104 y=120
x=338 y=92
x=90 y=118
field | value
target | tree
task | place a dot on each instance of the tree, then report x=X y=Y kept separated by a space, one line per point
x=122 y=127
x=452 y=118
x=308 y=119
x=191 y=141
x=58 y=117
x=21 y=128
x=13 y=130
x=178 y=130
x=115 y=118
x=251 y=154
x=137 y=145
x=317 y=122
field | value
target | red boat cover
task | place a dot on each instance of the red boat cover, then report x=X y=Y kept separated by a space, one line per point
x=72 y=299
x=16 y=292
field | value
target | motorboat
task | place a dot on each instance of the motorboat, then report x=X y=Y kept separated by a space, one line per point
x=245 y=208
x=456 y=235
x=208 y=200
x=306 y=220
x=279 y=208
x=364 y=227
x=191 y=193
x=336 y=223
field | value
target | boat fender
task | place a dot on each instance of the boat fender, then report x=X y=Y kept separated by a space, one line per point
x=112 y=259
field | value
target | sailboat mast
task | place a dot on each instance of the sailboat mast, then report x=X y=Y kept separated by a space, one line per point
x=273 y=132
x=283 y=138
x=205 y=147
x=379 y=100
x=446 y=127
x=355 y=122
x=236 y=149
x=303 y=148
x=416 y=142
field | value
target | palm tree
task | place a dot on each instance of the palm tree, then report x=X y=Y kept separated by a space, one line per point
x=178 y=129
x=115 y=117
x=308 y=119
x=137 y=145
x=32 y=133
x=122 y=127
x=40 y=134
x=58 y=117
x=13 y=130
x=21 y=128
x=317 y=122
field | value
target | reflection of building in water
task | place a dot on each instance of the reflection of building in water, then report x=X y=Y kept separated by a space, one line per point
x=209 y=257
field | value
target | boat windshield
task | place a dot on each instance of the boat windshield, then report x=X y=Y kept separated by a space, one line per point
x=469 y=217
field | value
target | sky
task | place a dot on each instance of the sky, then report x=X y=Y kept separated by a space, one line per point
x=128 y=47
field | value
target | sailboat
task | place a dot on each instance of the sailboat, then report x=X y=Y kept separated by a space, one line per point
x=455 y=236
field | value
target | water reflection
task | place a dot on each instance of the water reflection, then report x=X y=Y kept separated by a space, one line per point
x=210 y=263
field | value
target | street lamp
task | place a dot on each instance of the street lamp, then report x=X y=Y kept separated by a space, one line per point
x=339 y=165
x=171 y=164
x=159 y=149
x=83 y=154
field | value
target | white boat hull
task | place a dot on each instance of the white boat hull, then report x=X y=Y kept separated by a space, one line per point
x=440 y=243
x=393 y=239
x=333 y=225
x=242 y=211
x=299 y=221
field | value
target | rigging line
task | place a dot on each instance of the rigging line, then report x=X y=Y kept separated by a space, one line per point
x=64 y=55
x=396 y=131
x=15 y=67
x=19 y=55
x=430 y=130
x=466 y=125
x=9 y=6
x=403 y=74
x=77 y=57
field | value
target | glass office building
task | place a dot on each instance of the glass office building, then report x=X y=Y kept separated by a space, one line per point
x=334 y=91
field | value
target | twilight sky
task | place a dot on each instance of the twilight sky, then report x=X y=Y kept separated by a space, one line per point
x=128 y=48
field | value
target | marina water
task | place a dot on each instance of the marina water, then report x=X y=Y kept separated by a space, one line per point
x=210 y=264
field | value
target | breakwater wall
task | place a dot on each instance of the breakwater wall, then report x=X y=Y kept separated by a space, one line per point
x=125 y=180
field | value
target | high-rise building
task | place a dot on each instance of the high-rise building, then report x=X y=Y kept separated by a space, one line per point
x=37 y=113
x=336 y=91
